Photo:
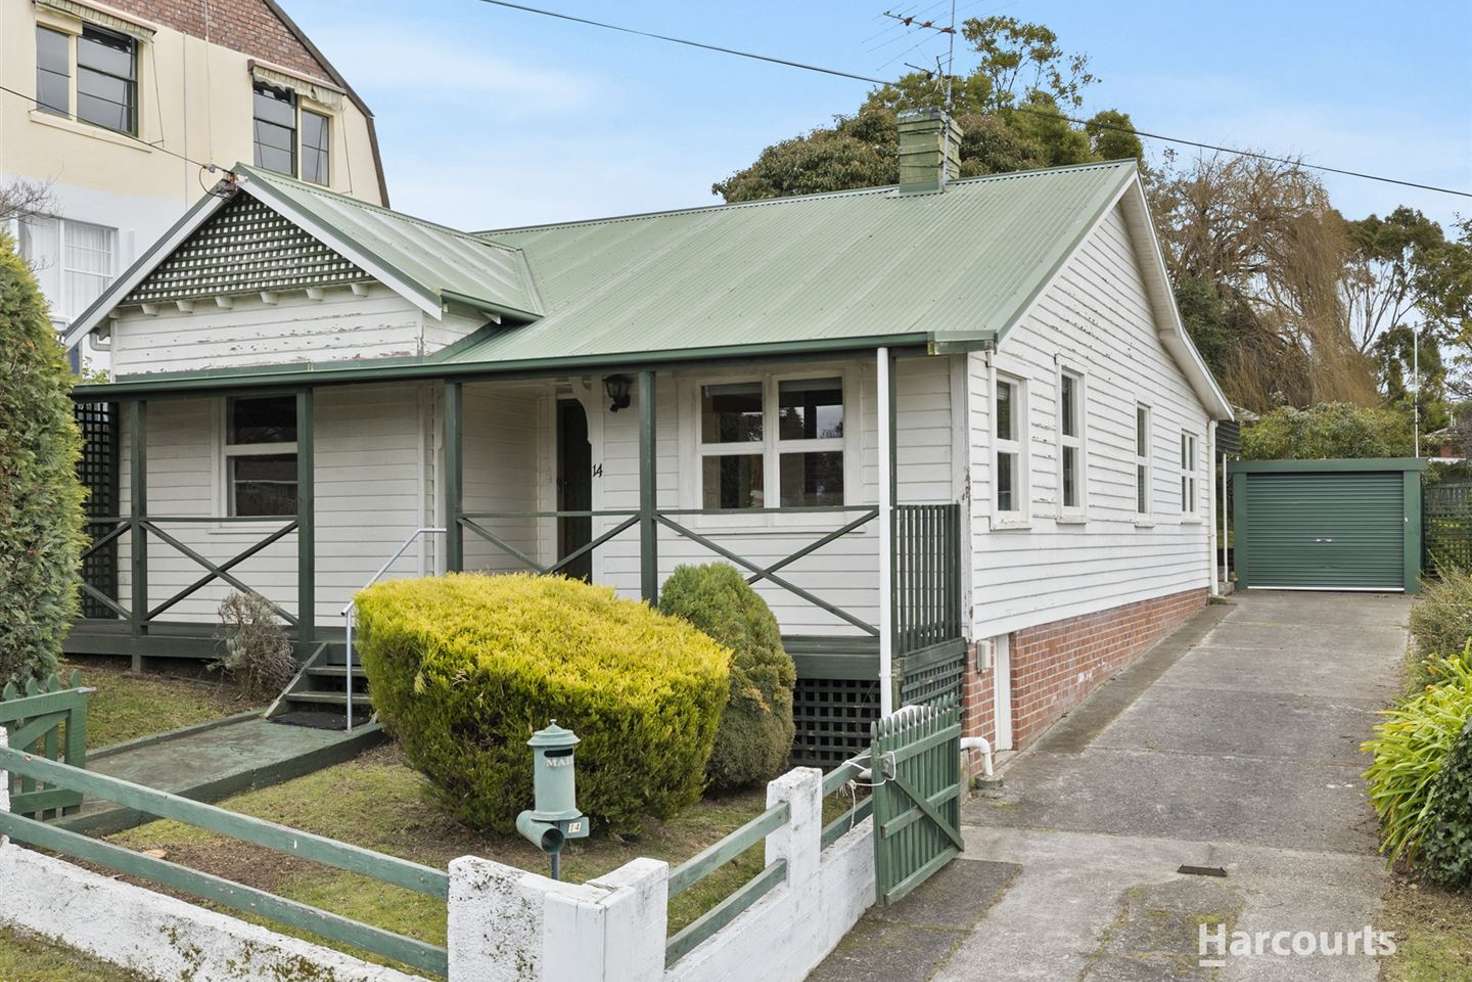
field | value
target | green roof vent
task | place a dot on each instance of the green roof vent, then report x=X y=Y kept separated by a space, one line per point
x=930 y=150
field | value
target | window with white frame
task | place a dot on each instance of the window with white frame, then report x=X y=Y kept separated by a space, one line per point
x=73 y=261
x=1188 y=473
x=1142 y=460
x=260 y=456
x=782 y=433
x=1072 y=464
x=1009 y=442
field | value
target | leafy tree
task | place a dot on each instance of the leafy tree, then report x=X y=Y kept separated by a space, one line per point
x=1012 y=109
x=1402 y=268
x=1325 y=431
x=40 y=496
x=1394 y=360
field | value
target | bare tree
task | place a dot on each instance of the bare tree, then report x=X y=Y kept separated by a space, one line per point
x=19 y=197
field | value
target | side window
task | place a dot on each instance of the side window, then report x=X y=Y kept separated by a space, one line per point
x=260 y=456
x=1009 y=443
x=1072 y=464
x=1142 y=461
x=316 y=141
x=1188 y=473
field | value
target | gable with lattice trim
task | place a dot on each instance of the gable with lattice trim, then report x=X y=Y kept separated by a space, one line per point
x=245 y=248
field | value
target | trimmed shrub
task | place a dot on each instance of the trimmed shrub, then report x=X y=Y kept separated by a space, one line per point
x=755 y=738
x=40 y=497
x=1446 y=852
x=465 y=667
x=1409 y=750
x=1441 y=622
x=257 y=653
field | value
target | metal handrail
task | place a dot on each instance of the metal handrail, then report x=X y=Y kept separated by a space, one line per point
x=350 y=610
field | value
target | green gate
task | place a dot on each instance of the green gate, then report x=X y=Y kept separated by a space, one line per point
x=48 y=719
x=916 y=765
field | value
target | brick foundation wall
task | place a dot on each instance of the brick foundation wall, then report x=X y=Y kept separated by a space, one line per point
x=1055 y=666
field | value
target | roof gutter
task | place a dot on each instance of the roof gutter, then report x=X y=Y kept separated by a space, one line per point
x=341 y=373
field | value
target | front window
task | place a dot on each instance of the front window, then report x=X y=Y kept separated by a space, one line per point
x=73 y=261
x=785 y=434
x=260 y=456
x=107 y=79
x=1188 y=473
x=1008 y=433
x=1071 y=463
x=1142 y=460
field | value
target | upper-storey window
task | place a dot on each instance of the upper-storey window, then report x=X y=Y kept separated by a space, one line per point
x=107 y=79
x=53 y=71
x=105 y=66
x=275 y=129
x=289 y=139
x=786 y=434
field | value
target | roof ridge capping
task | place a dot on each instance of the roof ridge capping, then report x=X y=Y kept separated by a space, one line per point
x=878 y=189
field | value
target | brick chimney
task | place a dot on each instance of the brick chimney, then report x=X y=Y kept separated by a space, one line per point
x=930 y=150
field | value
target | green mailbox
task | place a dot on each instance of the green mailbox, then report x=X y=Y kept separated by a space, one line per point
x=555 y=817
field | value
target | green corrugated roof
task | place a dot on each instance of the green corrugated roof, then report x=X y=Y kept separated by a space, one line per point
x=441 y=263
x=960 y=263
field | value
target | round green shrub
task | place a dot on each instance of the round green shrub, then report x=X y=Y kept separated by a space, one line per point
x=40 y=496
x=464 y=668
x=755 y=738
x=1410 y=748
x=1446 y=852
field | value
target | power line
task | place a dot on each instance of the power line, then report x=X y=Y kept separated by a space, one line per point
x=128 y=136
x=754 y=56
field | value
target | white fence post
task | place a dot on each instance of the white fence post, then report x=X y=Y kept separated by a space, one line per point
x=616 y=936
x=800 y=843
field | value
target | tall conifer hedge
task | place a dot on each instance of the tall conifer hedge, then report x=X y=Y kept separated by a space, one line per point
x=41 y=534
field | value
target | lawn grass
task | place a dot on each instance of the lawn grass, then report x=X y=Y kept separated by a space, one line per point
x=1433 y=933
x=377 y=801
x=127 y=705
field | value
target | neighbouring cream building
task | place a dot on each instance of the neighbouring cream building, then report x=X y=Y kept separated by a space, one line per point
x=114 y=107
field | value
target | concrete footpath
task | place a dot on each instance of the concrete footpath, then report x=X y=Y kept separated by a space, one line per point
x=1234 y=745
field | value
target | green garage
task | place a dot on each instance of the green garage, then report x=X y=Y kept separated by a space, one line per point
x=1327 y=524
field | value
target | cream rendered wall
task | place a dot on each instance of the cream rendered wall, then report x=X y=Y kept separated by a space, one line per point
x=1096 y=319
x=343 y=325
x=194 y=99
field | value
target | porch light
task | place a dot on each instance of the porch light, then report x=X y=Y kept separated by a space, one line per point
x=617 y=387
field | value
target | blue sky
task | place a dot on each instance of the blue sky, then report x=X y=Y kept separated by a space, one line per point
x=491 y=117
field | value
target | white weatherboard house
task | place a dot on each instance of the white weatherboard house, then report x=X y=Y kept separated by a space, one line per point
x=954 y=430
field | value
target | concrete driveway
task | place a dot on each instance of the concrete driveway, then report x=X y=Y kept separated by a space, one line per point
x=1234 y=744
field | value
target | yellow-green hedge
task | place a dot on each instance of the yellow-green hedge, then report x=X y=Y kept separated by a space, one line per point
x=463 y=668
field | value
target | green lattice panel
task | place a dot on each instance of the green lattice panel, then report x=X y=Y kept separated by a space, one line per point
x=97 y=470
x=833 y=717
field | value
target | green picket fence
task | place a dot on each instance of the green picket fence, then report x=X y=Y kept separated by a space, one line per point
x=49 y=719
x=1446 y=527
x=329 y=852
